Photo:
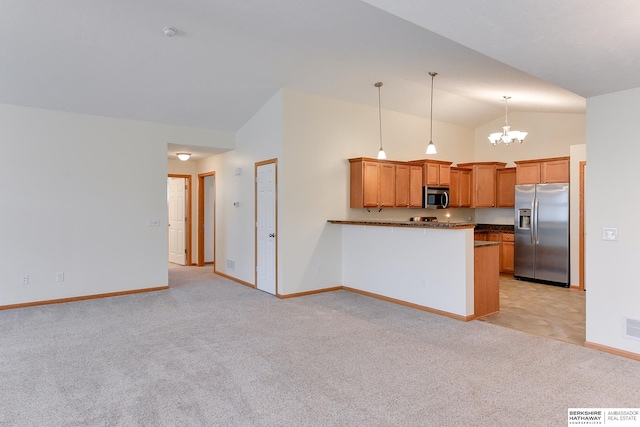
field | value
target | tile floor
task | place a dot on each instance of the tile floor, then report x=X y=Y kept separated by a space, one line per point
x=539 y=309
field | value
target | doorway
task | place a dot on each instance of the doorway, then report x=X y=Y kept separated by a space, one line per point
x=206 y=218
x=179 y=215
x=266 y=241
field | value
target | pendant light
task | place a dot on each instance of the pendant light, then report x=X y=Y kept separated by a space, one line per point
x=431 y=148
x=507 y=136
x=381 y=153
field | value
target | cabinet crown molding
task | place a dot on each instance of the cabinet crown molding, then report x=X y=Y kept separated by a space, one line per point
x=550 y=159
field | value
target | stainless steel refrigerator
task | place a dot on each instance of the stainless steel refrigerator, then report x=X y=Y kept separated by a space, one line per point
x=542 y=233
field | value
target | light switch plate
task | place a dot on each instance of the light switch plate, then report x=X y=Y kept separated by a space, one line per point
x=609 y=234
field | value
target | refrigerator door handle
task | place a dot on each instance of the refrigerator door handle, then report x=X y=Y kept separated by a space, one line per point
x=532 y=226
x=536 y=221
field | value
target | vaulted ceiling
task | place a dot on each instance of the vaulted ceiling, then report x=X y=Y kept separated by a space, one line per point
x=229 y=57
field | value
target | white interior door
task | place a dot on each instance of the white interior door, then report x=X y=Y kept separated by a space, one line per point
x=266 y=237
x=176 y=188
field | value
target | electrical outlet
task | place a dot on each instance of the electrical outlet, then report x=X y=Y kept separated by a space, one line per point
x=60 y=276
x=24 y=279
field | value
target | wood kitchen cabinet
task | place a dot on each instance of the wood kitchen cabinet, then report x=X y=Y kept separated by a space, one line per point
x=542 y=171
x=506 y=187
x=436 y=173
x=506 y=248
x=372 y=183
x=460 y=188
x=494 y=237
x=415 y=186
x=480 y=236
x=486 y=280
x=483 y=183
x=507 y=253
x=403 y=182
x=408 y=183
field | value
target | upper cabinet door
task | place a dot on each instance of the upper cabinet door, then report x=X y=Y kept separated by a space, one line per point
x=554 y=171
x=371 y=174
x=485 y=186
x=444 y=173
x=464 y=188
x=506 y=187
x=387 y=185
x=542 y=171
x=403 y=178
x=415 y=184
x=437 y=173
x=432 y=173
x=454 y=191
x=528 y=173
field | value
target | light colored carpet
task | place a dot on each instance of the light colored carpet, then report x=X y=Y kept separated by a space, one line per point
x=212 y=352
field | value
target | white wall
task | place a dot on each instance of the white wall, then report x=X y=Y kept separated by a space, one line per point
x=611 y=266
x=578 y=154
x=430 y=267
x=259 y=139
x=77 y=193
x=550 y=135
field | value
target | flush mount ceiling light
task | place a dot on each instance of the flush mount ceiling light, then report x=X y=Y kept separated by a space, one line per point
x=183 y=156
x=507 y=136
x=431 y=148
x=381 y=154
x=169 y=31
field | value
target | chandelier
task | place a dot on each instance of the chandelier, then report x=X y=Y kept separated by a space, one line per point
x=507 y=136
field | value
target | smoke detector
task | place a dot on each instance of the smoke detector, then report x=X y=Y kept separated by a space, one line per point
x=169 y=31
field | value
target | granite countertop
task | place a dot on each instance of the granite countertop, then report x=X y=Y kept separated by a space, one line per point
x=396 y=223
x=481 y=243
x=493 y=228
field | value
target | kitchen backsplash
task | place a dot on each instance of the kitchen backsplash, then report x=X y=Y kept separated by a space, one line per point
x=494 y=216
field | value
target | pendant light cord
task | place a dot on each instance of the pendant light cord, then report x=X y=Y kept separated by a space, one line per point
x=431 y=112
x=379 y=84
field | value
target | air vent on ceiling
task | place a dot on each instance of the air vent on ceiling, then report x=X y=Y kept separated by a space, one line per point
x=632 y=328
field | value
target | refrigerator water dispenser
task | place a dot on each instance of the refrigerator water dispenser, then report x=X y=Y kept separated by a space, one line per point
x=524 y=219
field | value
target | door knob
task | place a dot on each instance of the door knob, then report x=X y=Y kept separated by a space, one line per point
x=272 y=235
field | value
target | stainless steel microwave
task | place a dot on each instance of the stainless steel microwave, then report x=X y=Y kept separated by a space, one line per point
x=435 y=197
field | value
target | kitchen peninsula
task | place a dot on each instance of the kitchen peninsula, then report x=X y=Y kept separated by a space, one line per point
x=426 y=265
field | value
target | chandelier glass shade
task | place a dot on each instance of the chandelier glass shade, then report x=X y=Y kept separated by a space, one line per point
x=507 y=136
